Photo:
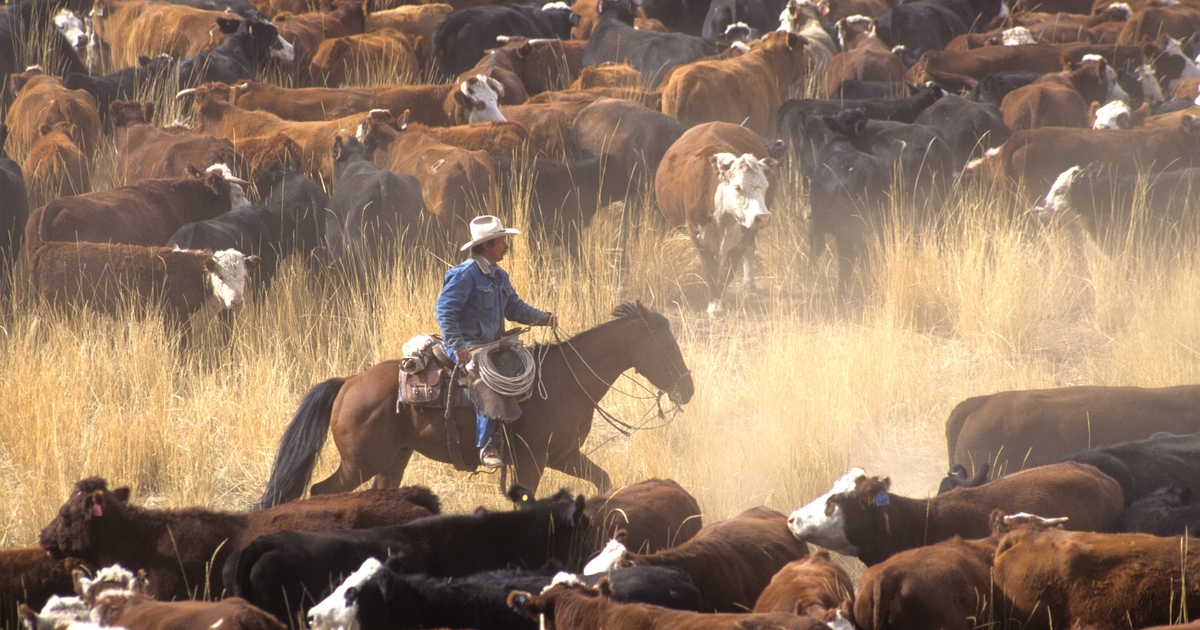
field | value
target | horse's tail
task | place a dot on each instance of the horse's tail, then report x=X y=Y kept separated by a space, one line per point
x=958 y=418
x=300 y=445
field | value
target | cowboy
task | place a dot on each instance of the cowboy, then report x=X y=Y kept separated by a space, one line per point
x=476 y=298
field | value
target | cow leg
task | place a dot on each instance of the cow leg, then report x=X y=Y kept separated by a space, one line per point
x=391 y=477
x=579 y=465
x=712 y=281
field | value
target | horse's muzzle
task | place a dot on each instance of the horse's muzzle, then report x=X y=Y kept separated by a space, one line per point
x=681 y=394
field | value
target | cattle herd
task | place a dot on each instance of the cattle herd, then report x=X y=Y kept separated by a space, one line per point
x=1066 y=508
x=1080 y=538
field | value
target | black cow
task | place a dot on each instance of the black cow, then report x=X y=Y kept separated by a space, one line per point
x=912 y=28
x=287 y=571
x=760 y=15
x=959 y=478
x=393 y=599
x=563 y=196
x=1106 y=204
x=371 y=207
x=994 y=87
x=650 y=53
x=628 y=129
x=898 y=109
x=1143 y=466
x=300 y=201
x=682 y=16
x=969 y=128
x=248 y=44
x=14 y=210
x=460 y=40
x=123 y=84
x=53 y=52
x=1167 y=511
x=853 y=89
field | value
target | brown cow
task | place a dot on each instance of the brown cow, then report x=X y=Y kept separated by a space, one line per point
x=55 y=166
x=589 y=17
x=147 y=152
x=656 y=514
x=745 y=90
x=1019 y=429
x=171 y=29
x=1062 y=579
x=730 y=561
x=579 y=607
x=813 y=586
x=135 y=611
x=716 y=183
x=255 y=154
x=624 y=128
x=869 y=522
x=864 y=56
x=549 y=124
x=417 y=22
x=1032 y=159
x=187 y=283
x=455 y=182
x=178 y=548
x=1179 y=21
x=957 y=70
x=526 y=67
x=302 y=104
x=498 y=139
x=29 y=575
x=355 y=58
x=1061 y=99
x=42 y=100
x=306 y=31
x=144 y=213
x=609 y=75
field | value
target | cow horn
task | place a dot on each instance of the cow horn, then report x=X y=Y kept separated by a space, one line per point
x=503 y=39
x=187 y=92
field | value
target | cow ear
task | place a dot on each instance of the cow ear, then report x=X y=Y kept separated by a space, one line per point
x=45 y=130
x=148 y=112
x=210 y=264
x=1123 y=120
x=793 y=40
x=496 y=86
x=463 y=99
x=1190 y=123
x=121 y=494
x=768 y=162
x=580 y=505
x=192 y=171
x=524 y=49
x=29 y=617
x=80 y=582
x=402 y=121
x=523 y=603
x=337 y=148
x=228 y=26
x=887 y=482
x=723 y=162
x=252 y=262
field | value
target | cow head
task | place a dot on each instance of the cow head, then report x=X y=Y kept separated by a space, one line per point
x=820 y=522
x=81 y=528
x=68 y=131
x=122 y=113
x=1095 y=78
x=351 y=150
x=220 y=180
x=59 y=612
x=611 y=558
x=339 y=611
x=263 y=38
x=481 y=96
x=1170 y=63
x=851 y=30
x=1058 y=200
x=19 y=81
x=741 y=190
x=72 y=30
x=797 y=14
x=385 y=599
x=620 y=10
x=1017 y=36
x=227 y=271
x=574 y=598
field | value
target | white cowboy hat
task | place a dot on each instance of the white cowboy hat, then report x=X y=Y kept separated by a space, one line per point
x=485 y=228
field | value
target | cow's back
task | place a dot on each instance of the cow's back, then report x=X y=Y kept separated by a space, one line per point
x=1089 y=499
x=686 y=181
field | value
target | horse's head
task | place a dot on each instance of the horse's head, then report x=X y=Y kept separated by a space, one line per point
x=657 y=356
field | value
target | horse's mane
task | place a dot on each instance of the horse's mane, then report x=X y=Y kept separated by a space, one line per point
x=624 y=311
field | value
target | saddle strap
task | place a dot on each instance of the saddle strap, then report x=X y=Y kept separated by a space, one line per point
x=452 y=440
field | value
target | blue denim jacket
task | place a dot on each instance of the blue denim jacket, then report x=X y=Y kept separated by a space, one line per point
x=474 y=304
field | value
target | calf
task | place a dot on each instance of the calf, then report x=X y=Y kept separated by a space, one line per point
x=872 y=524
x=343 y=60
x=55 y=165
x=179 y=548
x=745 y=90
x=373 y=208
x=1056 y=578
x=585 y=608
x=650 y=53
x=730 y=561
x=145 y=213
x=460 y=40
x=135 y=611
x=15 y=210
x=863 y=56
x=28 y=575
x=186 y=283
x=147 y=152
x=1154 y=206
x=1061 y=99
x=655 y=514
x=970 y=129
x=288 y=571
x=813 y=586
x=1034 y=427
x=715 y=182
x=42 y=100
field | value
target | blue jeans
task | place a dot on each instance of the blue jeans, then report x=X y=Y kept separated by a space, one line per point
x=484 y=426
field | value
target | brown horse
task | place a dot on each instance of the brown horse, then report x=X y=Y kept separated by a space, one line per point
x=376 y=441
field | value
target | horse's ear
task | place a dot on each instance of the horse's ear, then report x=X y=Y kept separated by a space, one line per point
x=580 y=505
x=645 y=313
x=121 y=494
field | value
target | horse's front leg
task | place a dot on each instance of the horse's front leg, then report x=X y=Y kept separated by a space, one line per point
x=391 y=477
x=579 y=465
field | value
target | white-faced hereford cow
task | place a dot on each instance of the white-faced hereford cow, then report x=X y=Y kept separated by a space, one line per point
x=730 y=561
x=870 y=523
x=1026 y=428
x=716 y=183
x=178 y=548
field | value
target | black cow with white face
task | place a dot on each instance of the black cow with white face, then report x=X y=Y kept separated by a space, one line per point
x=247 y=46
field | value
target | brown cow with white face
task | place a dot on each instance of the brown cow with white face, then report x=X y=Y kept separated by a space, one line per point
x=716 y=184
